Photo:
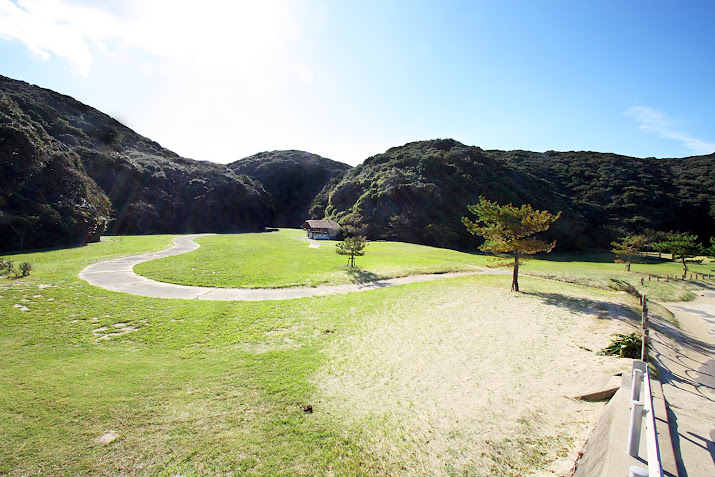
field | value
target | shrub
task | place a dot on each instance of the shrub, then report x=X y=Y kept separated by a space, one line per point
x=25 y=269
x=621 y=285
x=624 y=346
x=7 y=266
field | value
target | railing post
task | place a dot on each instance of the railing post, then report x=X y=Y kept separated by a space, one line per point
x=637 y=472
x=636 y=388
x=634 y=428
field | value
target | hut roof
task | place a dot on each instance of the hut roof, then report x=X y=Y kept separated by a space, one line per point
x=321 y=224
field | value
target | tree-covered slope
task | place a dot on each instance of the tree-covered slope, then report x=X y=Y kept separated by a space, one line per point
x=292 y=178
x=616 y=193
x=419 y=192
x=151 y=189
x=46 y=198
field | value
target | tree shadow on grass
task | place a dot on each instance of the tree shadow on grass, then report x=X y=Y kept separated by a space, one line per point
x=706 y=285
x=603 y=309
x=362 y=276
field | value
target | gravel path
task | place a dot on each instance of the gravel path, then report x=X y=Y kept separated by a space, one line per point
x=118 y=275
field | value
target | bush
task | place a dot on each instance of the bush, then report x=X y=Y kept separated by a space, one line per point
x=25 y=269
x=8 y=267
x=624 y=346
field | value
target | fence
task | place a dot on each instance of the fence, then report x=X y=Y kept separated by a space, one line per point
x=676 y=278
x=642 y=407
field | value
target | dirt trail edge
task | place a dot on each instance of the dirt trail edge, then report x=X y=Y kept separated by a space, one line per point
x=118 y=275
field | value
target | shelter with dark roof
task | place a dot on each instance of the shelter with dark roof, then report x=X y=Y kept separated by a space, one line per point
x=321 y=229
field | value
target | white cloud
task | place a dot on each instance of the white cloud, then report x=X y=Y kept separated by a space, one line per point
x=49 y=28
x=233 y=37
x=215 y=73
x=653 y=121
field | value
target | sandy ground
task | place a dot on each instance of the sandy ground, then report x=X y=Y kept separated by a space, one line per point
x=474 y=383
x=686 y=361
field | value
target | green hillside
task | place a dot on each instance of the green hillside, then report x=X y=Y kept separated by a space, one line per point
x=419 y=192
x=64 y=164
x=69 y=173
x=292 y=178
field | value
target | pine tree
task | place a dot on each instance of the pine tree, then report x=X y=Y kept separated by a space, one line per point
x=682 y=246
x=353 y=247
x=508 y=229
x=629 y=246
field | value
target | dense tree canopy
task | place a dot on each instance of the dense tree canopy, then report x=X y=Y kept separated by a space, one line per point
x=46 y=199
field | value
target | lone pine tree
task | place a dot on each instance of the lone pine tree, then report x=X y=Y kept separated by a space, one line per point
x=352 y=247
x=508 y=229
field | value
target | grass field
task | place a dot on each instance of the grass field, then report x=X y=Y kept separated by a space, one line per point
x=455 y=376
x=282 y=259
x=596 y=269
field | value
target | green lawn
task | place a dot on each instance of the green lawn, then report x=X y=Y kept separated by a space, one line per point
x=282 y=259
x=218 y=388
x=596 y=269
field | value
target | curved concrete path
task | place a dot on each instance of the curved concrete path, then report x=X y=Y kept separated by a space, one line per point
x=118 y=275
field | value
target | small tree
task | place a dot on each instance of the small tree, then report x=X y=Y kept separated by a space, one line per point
x=352 y=247
x=654 y=237
x=629 y=246
x=711 y=248
x=682 y=246
x=508 y=229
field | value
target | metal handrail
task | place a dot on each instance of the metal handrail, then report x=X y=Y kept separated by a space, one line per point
x=639 y=409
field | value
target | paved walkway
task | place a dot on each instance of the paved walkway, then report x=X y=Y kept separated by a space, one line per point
x=118 y=275
x=685 y=358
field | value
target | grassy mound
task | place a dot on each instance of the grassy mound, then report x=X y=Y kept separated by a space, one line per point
x=282 y=259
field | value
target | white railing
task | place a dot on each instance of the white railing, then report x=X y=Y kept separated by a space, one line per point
x=643 y=409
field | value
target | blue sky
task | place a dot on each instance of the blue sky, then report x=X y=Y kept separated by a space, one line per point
x=218 y=80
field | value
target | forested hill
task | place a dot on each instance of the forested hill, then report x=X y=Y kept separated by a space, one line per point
x=68 y=171
x=292 y=178
x=419 y=192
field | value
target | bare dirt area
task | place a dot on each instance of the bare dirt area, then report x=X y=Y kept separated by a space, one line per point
x=474 y=380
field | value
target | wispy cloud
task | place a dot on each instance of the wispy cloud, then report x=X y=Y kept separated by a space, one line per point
x=239 y=36
x=654 y=121
x=50 y=29
x=235 y=66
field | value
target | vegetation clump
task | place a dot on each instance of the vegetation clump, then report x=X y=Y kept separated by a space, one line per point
x=8 y=268
x=624 y=346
